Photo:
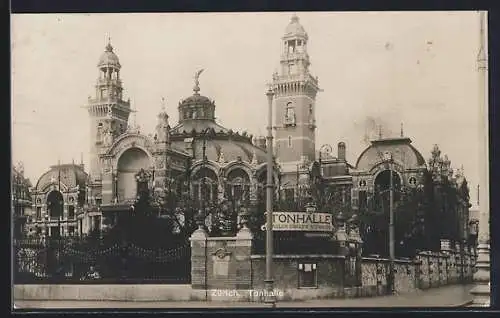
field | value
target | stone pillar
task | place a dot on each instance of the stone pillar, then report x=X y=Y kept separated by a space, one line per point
x=107 y=187
x=199 y=259
x=355 y=239
x=481 y=292
x=445 y=260
x=242 y=253
x=341 y=235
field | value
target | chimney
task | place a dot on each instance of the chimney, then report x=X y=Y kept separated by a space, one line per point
x=341 y=150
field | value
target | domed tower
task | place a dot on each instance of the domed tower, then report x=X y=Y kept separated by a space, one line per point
x=108 y=111
x=196 y=107
x=295 y=95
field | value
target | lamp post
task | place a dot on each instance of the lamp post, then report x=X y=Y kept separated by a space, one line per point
x=270 y=299
x=392 y=256
x=482 y=277
x=202 y=212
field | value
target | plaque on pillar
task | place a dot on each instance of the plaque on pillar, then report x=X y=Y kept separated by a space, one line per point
x=221 y=263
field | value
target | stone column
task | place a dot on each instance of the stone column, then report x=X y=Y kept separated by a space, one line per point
x=481 y=292
x=199 y=259
x=242 y=253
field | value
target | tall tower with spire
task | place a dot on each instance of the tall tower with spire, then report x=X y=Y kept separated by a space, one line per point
x=295 y=95
x=108 y=111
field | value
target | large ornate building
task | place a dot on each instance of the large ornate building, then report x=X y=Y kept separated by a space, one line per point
x=200 y=161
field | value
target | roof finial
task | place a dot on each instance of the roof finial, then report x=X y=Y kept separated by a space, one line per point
x=295 y=18
x=379 y=131
x=163 y=102
x=109 y=47
x=402 y=133
x=196 y=88
x=81 y=158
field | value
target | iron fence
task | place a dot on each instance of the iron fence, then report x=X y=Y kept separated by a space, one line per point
x=93 y=260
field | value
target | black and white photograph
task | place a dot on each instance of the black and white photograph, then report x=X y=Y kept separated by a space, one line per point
x=250 y=160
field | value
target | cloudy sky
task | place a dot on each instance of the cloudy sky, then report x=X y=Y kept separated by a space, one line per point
x=383 y=68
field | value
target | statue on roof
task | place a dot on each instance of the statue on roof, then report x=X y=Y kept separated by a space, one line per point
x=197 y=81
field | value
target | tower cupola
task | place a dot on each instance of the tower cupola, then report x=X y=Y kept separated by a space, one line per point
x=295 y=29
x=196 y=106
x=109 y=59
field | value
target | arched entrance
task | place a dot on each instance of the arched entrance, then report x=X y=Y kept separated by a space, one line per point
x=55 y=209
x=129 y=164
x=382 y=187
x=376 y=225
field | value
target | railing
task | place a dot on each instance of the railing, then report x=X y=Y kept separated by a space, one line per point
x=94 y=260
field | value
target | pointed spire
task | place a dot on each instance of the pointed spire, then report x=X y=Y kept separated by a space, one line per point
x=109 y=47
x=379 y=131
x=81 y=158
x=482 y=54
x=402 y=133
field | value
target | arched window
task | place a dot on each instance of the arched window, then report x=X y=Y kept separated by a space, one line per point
x=55 y=205
x=205 y=186
x=238 y=186
x=290 y=117
x=99 y=132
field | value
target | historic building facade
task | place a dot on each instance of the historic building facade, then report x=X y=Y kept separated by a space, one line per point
x=58 y=201
x=206 y=165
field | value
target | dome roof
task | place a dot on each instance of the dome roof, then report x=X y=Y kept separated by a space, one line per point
x=109 y=58
x=196 y=99
x=71 y=175
x=401 y=149
x=294 y=28
x=197 y=126
x=231 y=149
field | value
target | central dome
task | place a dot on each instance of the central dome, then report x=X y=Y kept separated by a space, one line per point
x=197 y=99
x=197 y=122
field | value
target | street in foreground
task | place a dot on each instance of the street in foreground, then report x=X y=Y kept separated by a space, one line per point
x=449 y=296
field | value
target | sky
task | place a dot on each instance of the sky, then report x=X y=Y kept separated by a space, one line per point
x=375 y=68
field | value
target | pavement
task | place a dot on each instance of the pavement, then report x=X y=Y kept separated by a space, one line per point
x=448 y=296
